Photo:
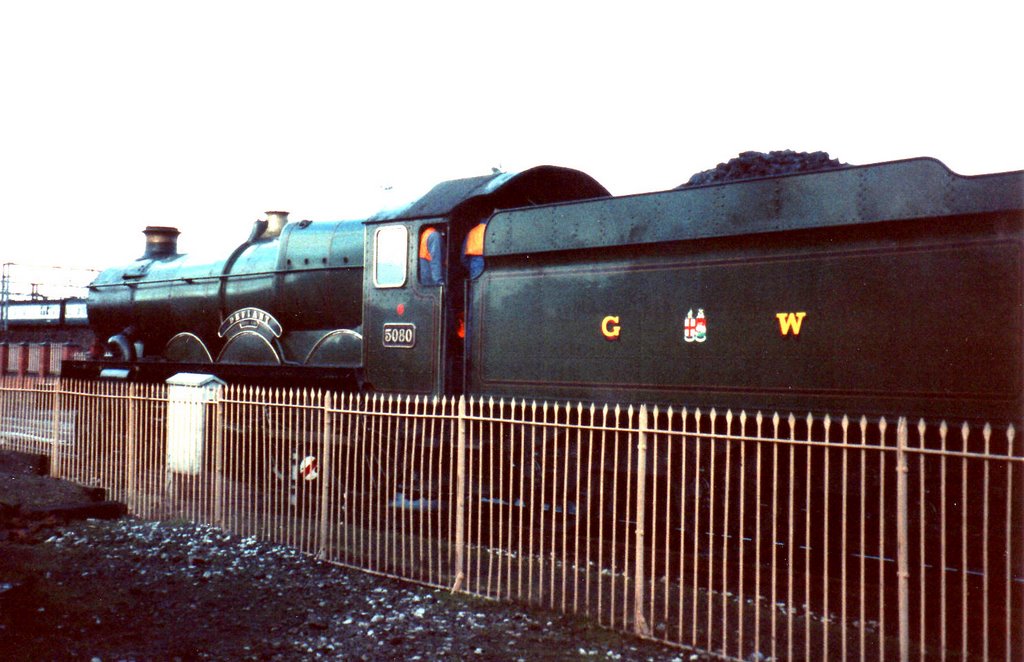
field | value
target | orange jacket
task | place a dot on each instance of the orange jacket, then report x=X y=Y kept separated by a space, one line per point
x=424 y=249
x=475 y=240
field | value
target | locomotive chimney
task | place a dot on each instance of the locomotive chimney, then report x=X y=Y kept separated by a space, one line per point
x=276 y=220
x=161 y=242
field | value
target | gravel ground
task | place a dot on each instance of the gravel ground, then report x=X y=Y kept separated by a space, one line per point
x=126 y=589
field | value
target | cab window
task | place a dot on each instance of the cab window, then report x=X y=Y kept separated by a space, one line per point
x=390 y=256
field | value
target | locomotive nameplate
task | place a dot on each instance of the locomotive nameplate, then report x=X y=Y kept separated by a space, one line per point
x=250 y=319
x=402 y=336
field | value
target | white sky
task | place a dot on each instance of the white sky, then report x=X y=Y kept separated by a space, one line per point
x=202 y=115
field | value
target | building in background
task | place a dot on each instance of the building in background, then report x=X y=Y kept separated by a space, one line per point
x=44 y=306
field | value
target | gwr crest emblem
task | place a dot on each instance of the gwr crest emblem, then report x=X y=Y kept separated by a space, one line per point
x=695 y=329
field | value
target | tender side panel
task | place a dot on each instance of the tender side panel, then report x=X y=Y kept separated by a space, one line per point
x=912 y=323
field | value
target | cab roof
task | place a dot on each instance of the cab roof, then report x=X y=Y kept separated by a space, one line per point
x=503 y=190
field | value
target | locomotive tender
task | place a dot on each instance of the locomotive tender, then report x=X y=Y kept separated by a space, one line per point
x=886 y=288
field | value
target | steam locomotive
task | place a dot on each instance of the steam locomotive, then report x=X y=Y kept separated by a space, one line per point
x=893 y=287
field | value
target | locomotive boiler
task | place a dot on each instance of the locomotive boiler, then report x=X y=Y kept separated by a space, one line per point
x=893 y=287
x=293 y=296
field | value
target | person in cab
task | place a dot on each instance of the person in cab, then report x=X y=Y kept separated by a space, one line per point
x=431 y=256
x=473 y=250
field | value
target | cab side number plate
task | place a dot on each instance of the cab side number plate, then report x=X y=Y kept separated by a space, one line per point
x=402 y=336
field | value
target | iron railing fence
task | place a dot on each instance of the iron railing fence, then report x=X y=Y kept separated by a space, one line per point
x=28 y=417
x=733 y=533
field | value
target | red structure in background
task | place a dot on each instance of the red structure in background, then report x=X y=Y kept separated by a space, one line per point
x=37 y=359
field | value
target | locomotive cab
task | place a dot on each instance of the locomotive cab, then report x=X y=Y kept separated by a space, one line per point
x=416 y=328
x=403 y=325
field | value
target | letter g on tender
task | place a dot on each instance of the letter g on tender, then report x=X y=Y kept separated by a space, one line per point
x=610 y=328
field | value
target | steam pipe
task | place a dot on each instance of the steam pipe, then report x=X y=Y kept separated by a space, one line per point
x=122 y=348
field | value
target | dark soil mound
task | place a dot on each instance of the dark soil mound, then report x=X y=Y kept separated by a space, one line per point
x=131 y=590
x=32 y=503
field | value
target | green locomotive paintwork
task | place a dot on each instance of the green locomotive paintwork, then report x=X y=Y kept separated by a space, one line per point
x=906 y=276
x=309 y=279
x=895 y=286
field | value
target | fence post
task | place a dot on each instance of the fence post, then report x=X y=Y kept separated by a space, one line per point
x=460 y=498
x=322 y=468
x=640 y=625
x=218 y=458
x=55 y=430
x=130 y=460
x=903 y=571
